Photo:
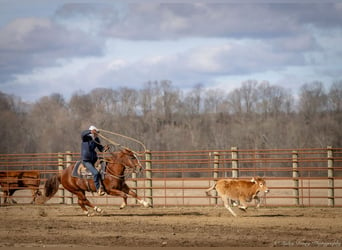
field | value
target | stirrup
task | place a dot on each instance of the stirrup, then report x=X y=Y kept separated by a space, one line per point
x=100 y=192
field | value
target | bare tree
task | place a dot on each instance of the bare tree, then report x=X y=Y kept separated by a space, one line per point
x=213 y=101
x=193 y=100
x=335 y=97
x=104 y=100
x=170 y=99
x=312 y=100
x=128 y=101
x=254 y=115
x=249 y=95
x=235 y=101
x=49 y=123
x=273 y=100
x=81 y=107
x=13 y=124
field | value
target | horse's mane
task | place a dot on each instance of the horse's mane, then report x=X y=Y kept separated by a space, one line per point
x=117 y=154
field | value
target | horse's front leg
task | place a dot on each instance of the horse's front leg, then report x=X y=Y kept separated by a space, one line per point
x=116 y=192
x=130 y=192
x=140 y=200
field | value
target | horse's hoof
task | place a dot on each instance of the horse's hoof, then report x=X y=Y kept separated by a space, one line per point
x=147 y=204
x=243 y=209
x=89 y=214
x=98 y=210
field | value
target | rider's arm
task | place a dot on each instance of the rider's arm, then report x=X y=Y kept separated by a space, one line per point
x=85 y=135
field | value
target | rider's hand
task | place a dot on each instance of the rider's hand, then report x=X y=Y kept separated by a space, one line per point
x=94 y=132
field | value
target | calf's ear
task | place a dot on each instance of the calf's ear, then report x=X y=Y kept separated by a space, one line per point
x=253 y=180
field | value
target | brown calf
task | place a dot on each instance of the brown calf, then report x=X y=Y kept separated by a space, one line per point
x=11 y=181
x=242 y=191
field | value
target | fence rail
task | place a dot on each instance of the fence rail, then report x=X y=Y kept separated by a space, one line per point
x=296 y=177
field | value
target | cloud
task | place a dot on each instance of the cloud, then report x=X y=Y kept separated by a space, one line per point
x=30 y=43
x=157 y=21
x=300 y=43
x=174 y=21
x=200 y=64
x=321 y=14
x=127 y=43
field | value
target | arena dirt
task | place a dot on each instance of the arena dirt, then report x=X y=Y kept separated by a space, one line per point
x=66 y=226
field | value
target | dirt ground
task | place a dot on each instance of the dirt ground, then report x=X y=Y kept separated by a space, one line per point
x=66 y=226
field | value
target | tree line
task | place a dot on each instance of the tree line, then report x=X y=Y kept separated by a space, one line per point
x=256 y=115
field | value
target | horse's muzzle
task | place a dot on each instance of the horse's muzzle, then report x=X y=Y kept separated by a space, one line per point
x=138 y=169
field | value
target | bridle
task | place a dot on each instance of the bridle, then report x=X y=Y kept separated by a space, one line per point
x=127 y=170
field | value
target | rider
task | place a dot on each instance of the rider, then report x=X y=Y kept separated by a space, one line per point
x=90 y=142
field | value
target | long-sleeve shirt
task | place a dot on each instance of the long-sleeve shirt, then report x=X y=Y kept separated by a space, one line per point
x=88 y=146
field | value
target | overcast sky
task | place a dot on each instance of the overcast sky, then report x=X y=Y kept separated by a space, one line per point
x=68 y=45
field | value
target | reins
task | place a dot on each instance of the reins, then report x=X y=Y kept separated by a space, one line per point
x=119 y=177
x=127 y=171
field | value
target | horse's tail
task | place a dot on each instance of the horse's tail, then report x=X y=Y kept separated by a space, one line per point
x=51 y=186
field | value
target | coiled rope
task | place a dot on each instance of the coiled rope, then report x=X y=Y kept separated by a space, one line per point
x=123 y=136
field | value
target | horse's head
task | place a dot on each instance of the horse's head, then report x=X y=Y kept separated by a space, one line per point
x=130 y=160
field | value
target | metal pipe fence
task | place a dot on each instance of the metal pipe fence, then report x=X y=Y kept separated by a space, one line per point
x=296 y=177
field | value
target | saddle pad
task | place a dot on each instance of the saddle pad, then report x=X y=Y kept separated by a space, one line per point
x=80 y=171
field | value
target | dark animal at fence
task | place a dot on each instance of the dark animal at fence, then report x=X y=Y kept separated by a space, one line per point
x=113 y=182
x=11 y=181
x=242 y=191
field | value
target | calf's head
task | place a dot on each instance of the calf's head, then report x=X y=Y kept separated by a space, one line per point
x=261 y=184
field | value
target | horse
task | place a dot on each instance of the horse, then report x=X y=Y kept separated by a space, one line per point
x=11 y=181
x=113 y=182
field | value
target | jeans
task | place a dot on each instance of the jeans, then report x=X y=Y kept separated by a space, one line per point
x=94 y=172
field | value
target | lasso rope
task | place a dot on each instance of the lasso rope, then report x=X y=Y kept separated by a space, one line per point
x=123 y=136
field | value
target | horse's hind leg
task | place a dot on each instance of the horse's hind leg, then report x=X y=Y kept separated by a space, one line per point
x=124 y=203
x=83 y=202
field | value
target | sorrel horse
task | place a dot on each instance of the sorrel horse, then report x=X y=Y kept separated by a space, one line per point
x=11 y=181
x=113 y=182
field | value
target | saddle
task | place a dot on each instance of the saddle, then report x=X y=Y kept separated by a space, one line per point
x=80 y=171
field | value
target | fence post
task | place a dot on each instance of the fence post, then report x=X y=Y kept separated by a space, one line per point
x=60 y=168
x=331 y=201
x=135 y=185
x=68 y=160
x=215 y=173
x=235 y=162
x=148 y=158
x=295 y=175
